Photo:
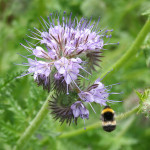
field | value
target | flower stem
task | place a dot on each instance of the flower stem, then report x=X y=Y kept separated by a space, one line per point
x=33 y=126
x=97 y=124
x=128 y=113
x=131 y=51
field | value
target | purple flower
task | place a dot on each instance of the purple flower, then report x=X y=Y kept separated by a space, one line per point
x=61 y=45
x=68 y=68
x=58 y=76
x=41 y=71
x=39 y=68
x=61 y=65
x=97 y=93
x=86 y=96
x=100 y=93
x=41 y=53
x=72 y=70
x=79 y=110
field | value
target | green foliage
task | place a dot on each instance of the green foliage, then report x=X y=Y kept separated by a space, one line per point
x=18 y=108
x=144 y=97
x=146 y=49
x=21 y=99
x=144 y=102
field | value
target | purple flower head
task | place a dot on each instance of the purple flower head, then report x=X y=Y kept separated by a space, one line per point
x=97 y=93
x=79 y=110
x=61 y=43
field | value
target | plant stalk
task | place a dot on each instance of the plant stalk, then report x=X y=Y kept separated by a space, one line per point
x=33 y=126
x=130 y=52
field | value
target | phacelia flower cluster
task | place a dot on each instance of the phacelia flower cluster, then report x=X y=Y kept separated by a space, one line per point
x=67 y=51
x=60 y=46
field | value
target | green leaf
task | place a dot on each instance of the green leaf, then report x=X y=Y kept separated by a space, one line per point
x=144 y=101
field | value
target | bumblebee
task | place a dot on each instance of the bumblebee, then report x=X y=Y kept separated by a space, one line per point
x=108 y=119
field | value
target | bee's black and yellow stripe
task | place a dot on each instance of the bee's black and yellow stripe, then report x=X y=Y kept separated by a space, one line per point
x=108 y=119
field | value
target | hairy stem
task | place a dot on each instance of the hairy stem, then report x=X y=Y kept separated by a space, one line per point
x=131 y=51
x=33 y=126
x=98 y=124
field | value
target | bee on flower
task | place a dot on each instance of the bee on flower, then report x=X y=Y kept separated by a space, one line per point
x=68 y=50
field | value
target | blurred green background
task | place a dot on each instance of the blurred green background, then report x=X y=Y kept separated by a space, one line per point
x=20 y=99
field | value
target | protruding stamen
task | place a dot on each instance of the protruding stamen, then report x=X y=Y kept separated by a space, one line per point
x=82 y=77
x=116 y=93
x=45 y=22
x=89 y=22
x=70 y=20
x=112 y=85
x=23 y=64
x=27 y=48
x=92 y=108
x=75 y=83
x=84 y=124
x=111 y=43
x=22 y=56
x=37 y=30
x=106 y=74
x=97 y=24
x=22 y=75
x=112 y=101
x=34 y=33
x=42 y=25
x=67 y=90
x=85 y=71
x=29 y=43
x=35 y=38
x=109 y=31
